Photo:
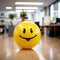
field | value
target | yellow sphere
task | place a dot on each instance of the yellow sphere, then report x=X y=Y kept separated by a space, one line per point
x=27 y=34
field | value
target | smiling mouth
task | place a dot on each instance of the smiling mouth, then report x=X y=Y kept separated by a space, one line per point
x=28 y=39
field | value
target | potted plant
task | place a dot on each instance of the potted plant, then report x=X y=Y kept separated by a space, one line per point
x=23 y=15
x=11 y=16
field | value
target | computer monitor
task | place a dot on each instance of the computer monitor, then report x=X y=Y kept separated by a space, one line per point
x=57 y=20
x=37 y=23
x=2 y=20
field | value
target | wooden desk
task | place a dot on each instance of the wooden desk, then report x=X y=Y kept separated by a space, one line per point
x=55 y=27
x=50 y=25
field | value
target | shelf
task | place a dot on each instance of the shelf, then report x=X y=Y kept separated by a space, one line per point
x=2 y=16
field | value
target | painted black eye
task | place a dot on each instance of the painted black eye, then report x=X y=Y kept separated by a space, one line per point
x=24 y=30
x=31 y=30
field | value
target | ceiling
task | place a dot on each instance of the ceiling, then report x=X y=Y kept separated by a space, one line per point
x=4 y=3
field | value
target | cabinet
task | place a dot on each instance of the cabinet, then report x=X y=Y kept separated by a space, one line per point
x=2 y=27
x=10 y=30
x=53 y=30
x=2 y=22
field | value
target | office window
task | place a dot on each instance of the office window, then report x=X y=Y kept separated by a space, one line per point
x=54 y=8
x=59 y=9
x=51 y=12
x=41 y=16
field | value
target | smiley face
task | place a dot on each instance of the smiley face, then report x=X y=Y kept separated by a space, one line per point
x=28 y=39
x=27 y=34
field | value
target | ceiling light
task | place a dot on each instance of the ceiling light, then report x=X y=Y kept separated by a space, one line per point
x=26 y=7
x=25 y=10
x=29 y=3
x=8 y=7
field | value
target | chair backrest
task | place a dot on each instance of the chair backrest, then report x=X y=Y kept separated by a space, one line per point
x=37 y=23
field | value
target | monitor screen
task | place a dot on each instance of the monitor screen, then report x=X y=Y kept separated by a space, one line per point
x=57 y=20
x=37 y=23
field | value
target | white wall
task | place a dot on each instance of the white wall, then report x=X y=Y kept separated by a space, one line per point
x=32 y=16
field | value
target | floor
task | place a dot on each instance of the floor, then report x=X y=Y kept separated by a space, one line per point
x=47 y=49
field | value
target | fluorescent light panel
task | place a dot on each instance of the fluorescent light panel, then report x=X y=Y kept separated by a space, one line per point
x=26 y=7
x=28 y=3
x=25 y=10
x=8 y=7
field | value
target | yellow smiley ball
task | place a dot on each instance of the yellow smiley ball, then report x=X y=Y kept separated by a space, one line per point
x=27 y=34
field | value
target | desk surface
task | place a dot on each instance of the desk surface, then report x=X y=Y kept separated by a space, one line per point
x=50 y=25
x=2 y=26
